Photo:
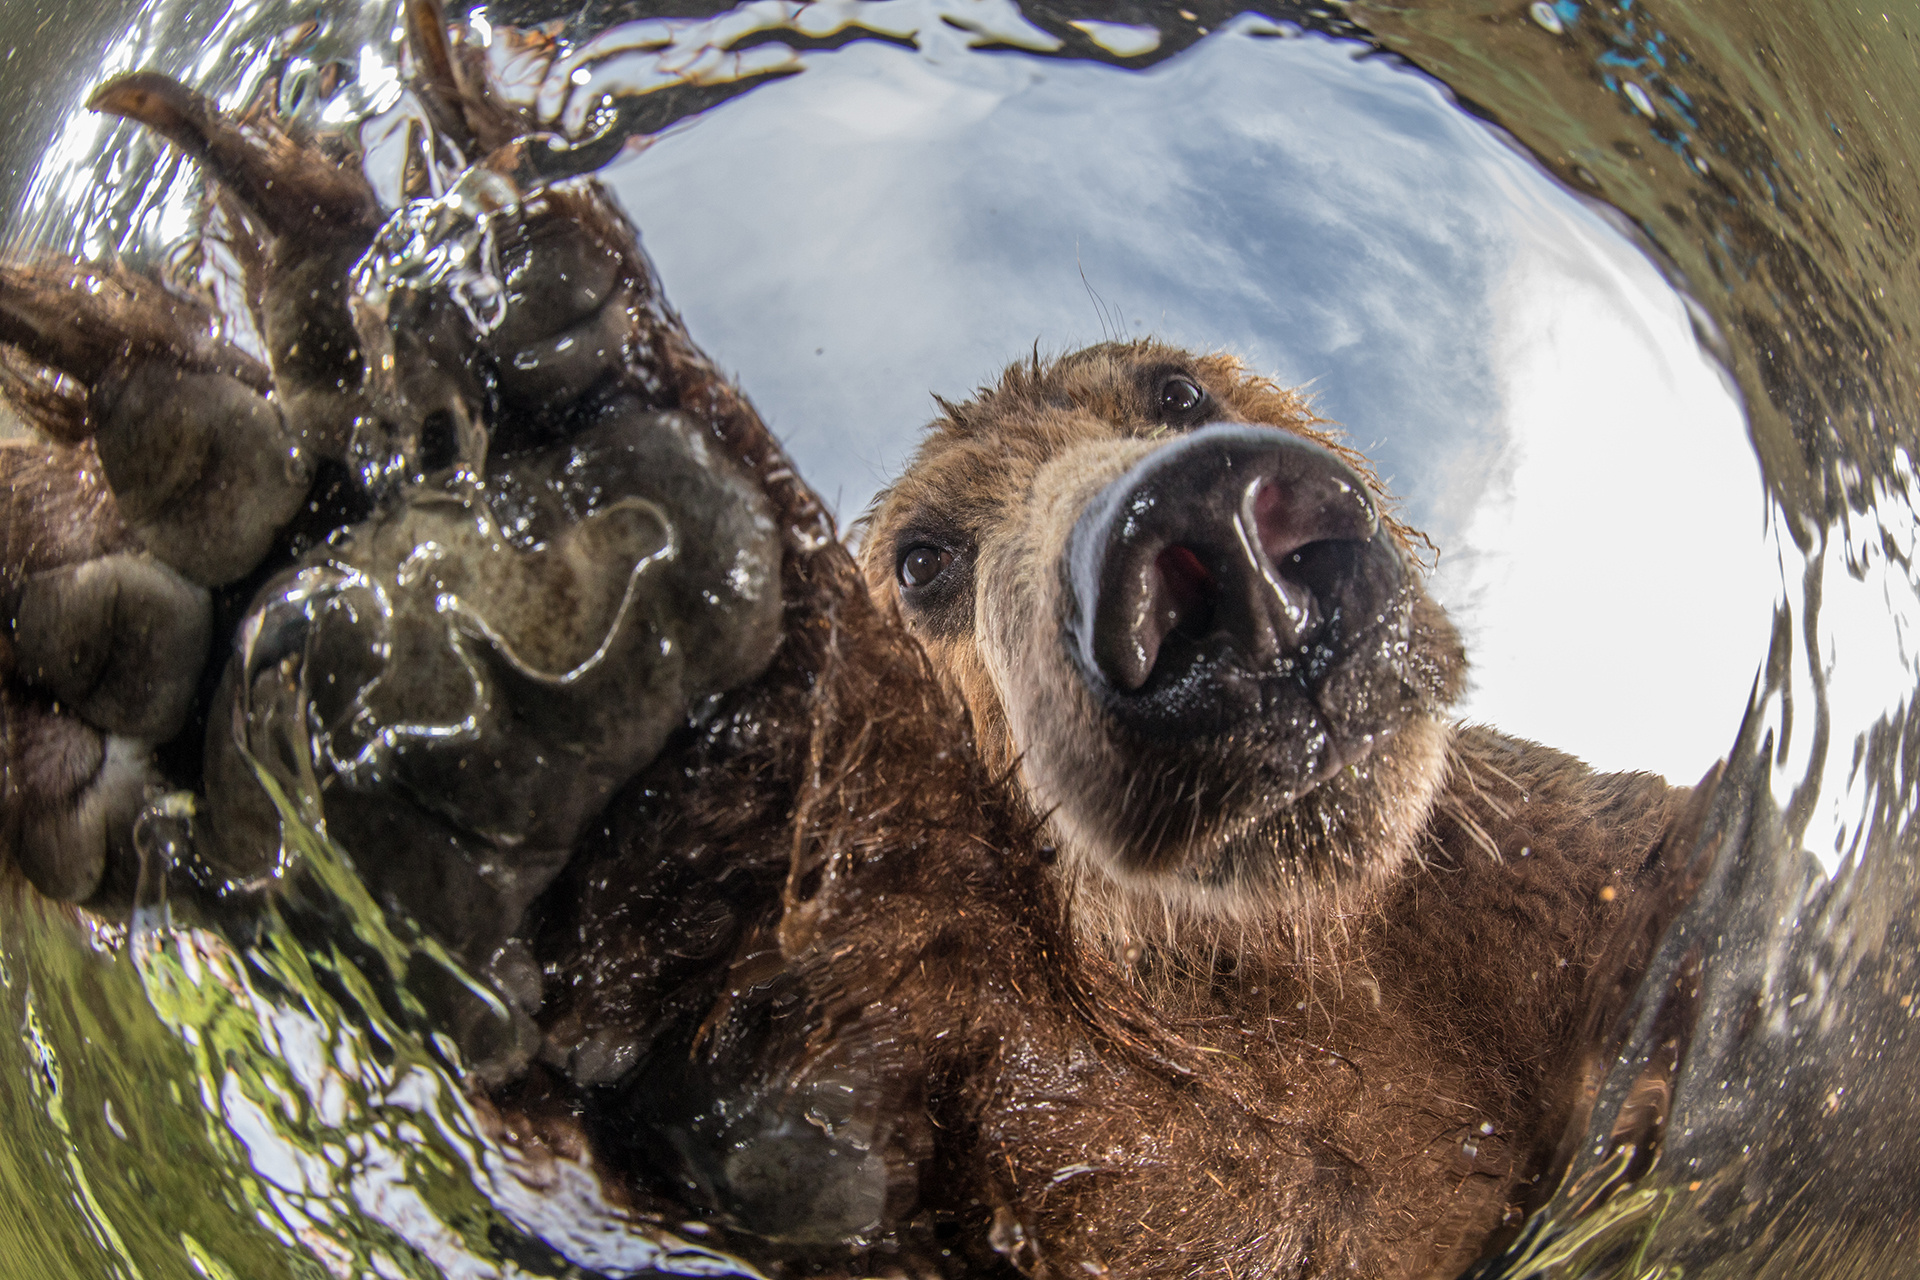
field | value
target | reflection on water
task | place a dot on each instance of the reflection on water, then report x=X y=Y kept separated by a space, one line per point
x=908 y=213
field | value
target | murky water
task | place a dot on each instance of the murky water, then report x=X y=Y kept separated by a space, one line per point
x=1657 y=566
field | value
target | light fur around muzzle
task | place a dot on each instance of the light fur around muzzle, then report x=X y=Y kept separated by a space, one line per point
x=1242 y=859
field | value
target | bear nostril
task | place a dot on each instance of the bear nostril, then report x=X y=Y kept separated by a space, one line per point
x=1176 y=597
x=1189 y=591
x=1319 y=567
x=1286 y=517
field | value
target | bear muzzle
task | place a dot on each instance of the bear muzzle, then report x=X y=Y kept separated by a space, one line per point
x=1224 y=573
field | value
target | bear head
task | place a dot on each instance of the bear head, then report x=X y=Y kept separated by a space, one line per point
x=1184 y=617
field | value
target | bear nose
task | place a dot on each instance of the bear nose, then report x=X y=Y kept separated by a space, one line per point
x=1234 y=531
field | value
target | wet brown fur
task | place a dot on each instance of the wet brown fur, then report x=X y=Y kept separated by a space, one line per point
x=1221 y=1107
x=1222 y=1100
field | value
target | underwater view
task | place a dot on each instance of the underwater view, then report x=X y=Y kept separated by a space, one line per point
x=485 y=830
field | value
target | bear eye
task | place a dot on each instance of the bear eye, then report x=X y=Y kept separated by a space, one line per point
x=1180 y=395
x=921 y=563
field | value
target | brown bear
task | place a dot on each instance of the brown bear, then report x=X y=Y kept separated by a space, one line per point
x=1143 y=913
x=1195 y=642
x=1094 y=884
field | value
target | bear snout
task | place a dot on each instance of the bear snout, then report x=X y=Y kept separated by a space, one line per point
x=1222 y=562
